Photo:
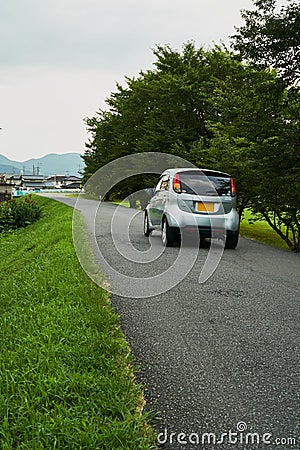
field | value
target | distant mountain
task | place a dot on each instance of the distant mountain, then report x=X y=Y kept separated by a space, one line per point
x=51 y=164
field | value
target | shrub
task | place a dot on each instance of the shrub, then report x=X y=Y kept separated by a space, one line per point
x=18 y=213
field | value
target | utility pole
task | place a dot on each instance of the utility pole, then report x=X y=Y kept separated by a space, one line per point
x=38 y=168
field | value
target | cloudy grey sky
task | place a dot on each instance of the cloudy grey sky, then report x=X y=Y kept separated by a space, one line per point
x=60 y=60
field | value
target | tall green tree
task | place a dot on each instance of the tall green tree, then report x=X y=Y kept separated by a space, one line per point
x=248 y=103
x=270 y=37
x=258 y=141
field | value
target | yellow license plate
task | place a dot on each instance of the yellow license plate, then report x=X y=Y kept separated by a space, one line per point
x=205 y=207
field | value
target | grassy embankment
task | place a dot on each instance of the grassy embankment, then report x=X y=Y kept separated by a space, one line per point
x=66 y=371
x=260 y=231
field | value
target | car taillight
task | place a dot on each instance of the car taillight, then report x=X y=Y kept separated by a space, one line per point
x=177 y=183
x=232 y=187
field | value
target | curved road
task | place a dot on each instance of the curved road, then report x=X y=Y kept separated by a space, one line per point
x=220 y=360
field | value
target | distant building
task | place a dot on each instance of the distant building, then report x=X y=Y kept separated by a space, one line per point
x=15 y=180
x=57 y=180
x=40 y=182
x=35 y=182
x=72 y=182
x=66 y=181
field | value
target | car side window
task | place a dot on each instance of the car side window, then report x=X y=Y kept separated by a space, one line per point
x=163 y=183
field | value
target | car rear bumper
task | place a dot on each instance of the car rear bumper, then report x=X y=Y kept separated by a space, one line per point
x=204 y=223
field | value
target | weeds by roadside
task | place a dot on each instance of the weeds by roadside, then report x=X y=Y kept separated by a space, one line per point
x=18 y=213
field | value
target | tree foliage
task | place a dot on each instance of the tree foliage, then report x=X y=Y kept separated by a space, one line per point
x=258 y=142
x=271 y=37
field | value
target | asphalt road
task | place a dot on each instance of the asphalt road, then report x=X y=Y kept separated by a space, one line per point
x=218 y=356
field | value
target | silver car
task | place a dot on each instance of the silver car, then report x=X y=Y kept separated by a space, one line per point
x=193 y=199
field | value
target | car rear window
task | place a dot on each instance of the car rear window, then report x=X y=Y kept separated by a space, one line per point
x=204 y=183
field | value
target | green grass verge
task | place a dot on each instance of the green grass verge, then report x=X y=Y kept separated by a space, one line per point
x=260 y=231
x=67 y=380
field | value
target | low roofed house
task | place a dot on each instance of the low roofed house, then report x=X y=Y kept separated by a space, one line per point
x=72 y=182
x=48 y=185
x=65 y=181
x=15 y=180
x=34 y=182
x=57 y=180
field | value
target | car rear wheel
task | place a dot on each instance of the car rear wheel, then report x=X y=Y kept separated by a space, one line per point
x=147 y=230
x=232 y=240
x=168 y=235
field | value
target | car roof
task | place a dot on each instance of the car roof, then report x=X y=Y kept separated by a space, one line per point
x=173 y=171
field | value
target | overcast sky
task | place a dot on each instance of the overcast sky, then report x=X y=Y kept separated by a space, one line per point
x=60 y=60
